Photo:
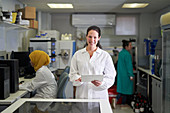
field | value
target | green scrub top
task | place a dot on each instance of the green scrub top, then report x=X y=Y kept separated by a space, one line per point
x=125 y=71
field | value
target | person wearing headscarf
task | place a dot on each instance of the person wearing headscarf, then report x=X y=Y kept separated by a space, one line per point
x=44 y=82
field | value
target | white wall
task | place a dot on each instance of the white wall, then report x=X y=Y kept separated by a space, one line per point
x=9 y=5
x=62 y=23
x=149 y=26
x=45 y=21
x=2 y=39
x=145 y=23
x=15 y=40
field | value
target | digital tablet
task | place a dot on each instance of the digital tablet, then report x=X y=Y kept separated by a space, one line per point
x=89 y=78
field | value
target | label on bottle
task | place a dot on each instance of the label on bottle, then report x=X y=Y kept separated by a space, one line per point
x=141 y=109
x=137 y=111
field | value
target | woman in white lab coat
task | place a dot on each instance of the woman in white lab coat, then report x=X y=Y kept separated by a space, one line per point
x=92 y=60
x=44 y=82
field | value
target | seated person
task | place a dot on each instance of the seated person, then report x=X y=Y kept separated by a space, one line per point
x=44 y=82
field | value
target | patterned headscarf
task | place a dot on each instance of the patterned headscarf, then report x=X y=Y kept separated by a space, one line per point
x=39 y=58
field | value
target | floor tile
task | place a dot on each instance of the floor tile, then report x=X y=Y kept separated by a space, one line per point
x=120 y=109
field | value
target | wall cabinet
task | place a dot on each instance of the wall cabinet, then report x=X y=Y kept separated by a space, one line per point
x=156 y=96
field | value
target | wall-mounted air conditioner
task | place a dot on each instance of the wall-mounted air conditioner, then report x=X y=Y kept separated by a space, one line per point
x=85 y=20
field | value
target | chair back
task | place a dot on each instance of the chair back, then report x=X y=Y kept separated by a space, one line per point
x=66 y=69
x=62 y=82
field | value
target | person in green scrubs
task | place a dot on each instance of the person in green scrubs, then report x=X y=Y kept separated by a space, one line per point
x=125 y=73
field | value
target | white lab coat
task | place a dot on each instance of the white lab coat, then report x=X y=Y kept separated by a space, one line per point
x=99 y=64
x=44 y=83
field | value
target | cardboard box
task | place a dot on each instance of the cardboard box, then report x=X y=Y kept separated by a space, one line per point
x=28 y=12
x=33 y=24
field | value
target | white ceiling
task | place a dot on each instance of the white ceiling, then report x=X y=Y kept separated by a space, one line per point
x=97 y=6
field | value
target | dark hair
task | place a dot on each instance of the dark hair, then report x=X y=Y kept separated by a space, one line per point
x=125 y=43
x=97 y=29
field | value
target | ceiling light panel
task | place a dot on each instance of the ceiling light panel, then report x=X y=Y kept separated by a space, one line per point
x=135 y=5
x=60 y=6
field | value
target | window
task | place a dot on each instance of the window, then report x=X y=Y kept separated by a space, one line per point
x=126 y=25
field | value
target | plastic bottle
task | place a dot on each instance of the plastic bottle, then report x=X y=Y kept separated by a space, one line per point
x=142 y=106
x=70 y=36
x=152 y=63
x=137 y=108
x=62 y=37
x=146 y=46
x=37 y=36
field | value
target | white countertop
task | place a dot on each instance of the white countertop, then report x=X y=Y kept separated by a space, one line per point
x=149 y=72
x=104 y=104
x=15 y=96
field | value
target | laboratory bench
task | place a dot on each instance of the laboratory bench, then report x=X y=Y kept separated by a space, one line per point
x=15 y=96
x=61 y=105
x=150 y=86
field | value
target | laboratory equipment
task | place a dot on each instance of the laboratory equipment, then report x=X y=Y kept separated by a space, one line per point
x=50 y=34
x=47 y=45
x=66 y=49
x=150 y=51
x=152 y=56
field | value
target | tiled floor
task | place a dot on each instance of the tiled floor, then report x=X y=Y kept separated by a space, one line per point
x=120 y=109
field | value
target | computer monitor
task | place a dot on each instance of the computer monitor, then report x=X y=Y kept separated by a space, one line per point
x=23 y=58
x=4 y=82
x=14 y=76
x=2 y=55
x=25 y=67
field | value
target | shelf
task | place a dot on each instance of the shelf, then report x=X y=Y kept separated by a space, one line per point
x=143 y=87
x=12 y=26
x=149 y=73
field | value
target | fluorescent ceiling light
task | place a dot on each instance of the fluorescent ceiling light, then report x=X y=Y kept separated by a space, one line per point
x=62 y=6
x=135 y=5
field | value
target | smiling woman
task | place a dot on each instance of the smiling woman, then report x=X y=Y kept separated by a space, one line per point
x=95 y=62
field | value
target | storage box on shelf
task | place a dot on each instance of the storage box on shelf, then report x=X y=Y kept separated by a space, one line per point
x=33 y=24
x=28 y=12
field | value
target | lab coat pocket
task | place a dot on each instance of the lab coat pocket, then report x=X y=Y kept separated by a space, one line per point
x=99 y=68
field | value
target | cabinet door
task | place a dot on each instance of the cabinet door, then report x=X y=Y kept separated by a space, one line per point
x=154 y=95
x=159 y=97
